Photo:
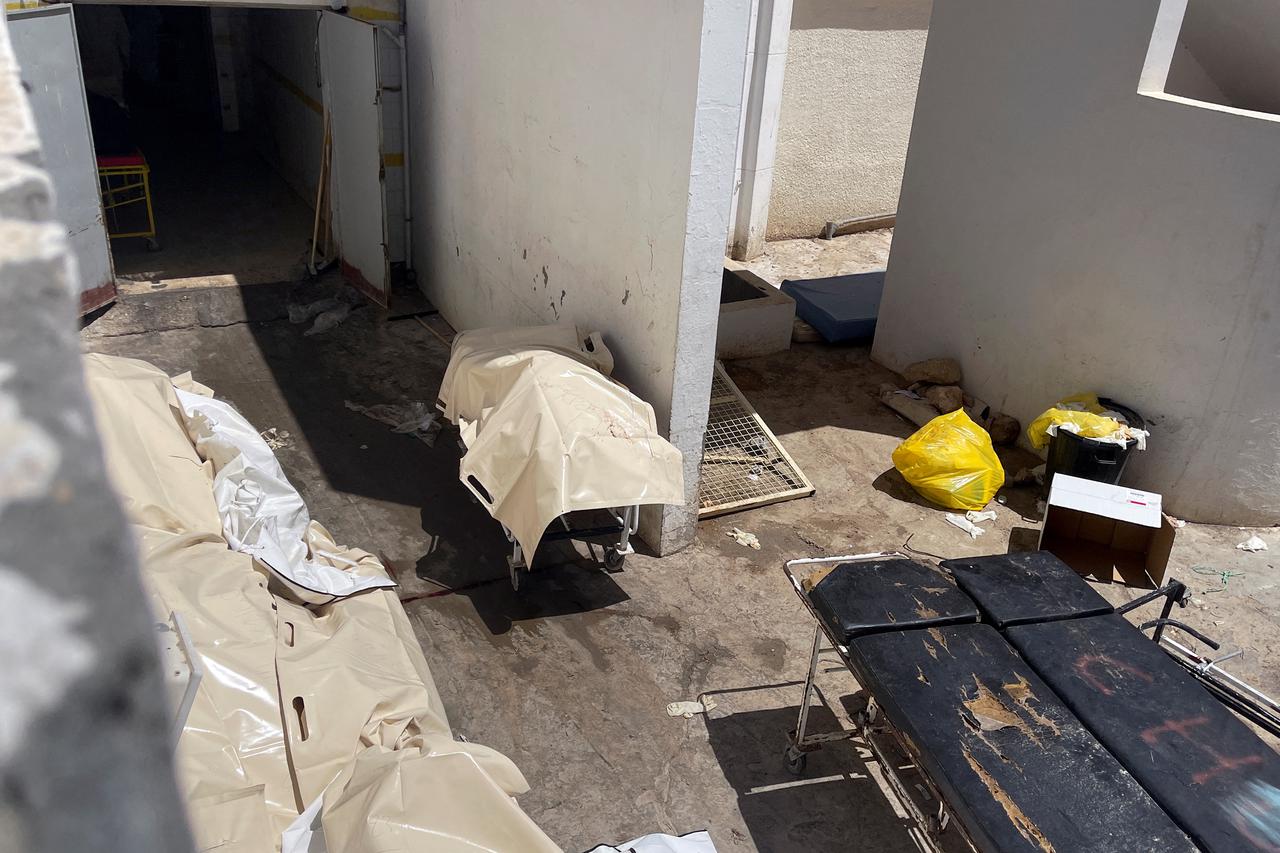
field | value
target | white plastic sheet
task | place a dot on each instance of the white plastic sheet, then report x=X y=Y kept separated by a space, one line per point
x=694 y=842
x=262 y=513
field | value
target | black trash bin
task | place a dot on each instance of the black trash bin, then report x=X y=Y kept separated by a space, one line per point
x=1089 y=458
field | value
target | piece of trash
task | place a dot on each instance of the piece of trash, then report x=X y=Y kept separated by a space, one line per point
x=688 y=709
x=364 y=447
x=1177 y=522
x=976 y=517
x=756 y=471
x=415 y=418
x=1224 y=575
x=1002 y=500
x=742 y=537
x=1252 y=544
x=299 y=313
x=964 y=524
x=275 y=438
x=327 y=320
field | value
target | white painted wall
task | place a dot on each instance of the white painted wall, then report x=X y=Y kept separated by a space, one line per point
x=553 y=149
x=847 y=100
x=1059 y=232
x=288 y=111
x=289 y=116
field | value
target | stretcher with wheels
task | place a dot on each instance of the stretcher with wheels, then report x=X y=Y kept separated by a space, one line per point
x=1028 y=709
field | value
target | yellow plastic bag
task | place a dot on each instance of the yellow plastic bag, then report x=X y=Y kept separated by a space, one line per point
x=951 y=462
x=1087 y=425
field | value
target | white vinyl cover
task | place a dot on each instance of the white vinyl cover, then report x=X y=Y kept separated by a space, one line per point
x=262 y=513
x=694 y=842
x=548 y=432
x=331 y=705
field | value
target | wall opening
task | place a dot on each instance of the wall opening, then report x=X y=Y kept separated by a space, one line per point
x=1224 y=52
x=192 y=94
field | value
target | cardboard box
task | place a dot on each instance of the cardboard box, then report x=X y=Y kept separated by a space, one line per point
x=1108 y=532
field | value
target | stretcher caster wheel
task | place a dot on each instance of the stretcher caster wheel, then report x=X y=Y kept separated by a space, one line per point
x=796 y=760
x=153 y=245
x=613 y=560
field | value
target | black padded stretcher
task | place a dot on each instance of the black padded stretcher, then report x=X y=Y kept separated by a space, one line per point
x=1015 y=589
x=1093 y=739
x=855 y=599
x=1208 y=770
x=1013 y=766
x=1019 y=771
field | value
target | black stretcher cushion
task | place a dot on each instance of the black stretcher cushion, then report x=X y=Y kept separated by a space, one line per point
x=1204 y=766
x=1013 y=589
x=1020 y=772
x=887 y=595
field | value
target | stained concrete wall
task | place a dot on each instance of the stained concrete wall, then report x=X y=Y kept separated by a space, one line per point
x=288 y=112
x=847 y=100
x=85 y=759
x=574 y=162
x=1060 y=232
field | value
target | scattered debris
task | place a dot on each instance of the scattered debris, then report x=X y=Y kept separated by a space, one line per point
x=945 y=398
x=327 y=320
x=1252 y=544
x=933 y=388
x=1224 y=576
x=744 y=538
x=415 y=418
x=688 y=709
x=908 y=404
x=1004 y=429
x=328 y=312
x=1177 y=522
x=935 y=371
x=803 y=333
x=964 y=524
x=1027 y=476
x=276 y=438
x=979 y=517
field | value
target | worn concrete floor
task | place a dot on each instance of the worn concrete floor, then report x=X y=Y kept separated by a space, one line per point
x=571 y=676
x=223 y=216
x=817 y=258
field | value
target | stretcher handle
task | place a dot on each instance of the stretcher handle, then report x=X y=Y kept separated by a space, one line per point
x=1174 y=623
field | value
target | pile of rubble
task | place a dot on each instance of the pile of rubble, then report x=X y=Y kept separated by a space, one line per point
x=933 y=388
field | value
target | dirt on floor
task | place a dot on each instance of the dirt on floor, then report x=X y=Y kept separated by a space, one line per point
x=572 y=675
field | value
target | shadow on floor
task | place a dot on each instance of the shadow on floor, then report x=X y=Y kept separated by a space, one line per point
x=223 y=216
x=833 y=805
x=815 y=385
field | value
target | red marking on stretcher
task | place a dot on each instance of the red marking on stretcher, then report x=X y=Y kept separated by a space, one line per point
x=1182 y=728
x=1084 y=669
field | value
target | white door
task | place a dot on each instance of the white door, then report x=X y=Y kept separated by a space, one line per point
x=357 y=198
x=44 y=42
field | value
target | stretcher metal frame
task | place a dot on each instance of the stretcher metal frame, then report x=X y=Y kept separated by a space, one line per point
x=870 y=725
x=626 y=522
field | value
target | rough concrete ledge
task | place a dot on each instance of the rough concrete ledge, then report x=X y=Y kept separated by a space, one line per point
x=85 y=762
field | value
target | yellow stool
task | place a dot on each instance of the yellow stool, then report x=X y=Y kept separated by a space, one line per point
x=126 y=180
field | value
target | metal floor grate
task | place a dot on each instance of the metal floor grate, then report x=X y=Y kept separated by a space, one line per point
x=743 y=465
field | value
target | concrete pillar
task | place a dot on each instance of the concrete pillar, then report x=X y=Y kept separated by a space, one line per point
x=716 y=123
x=758 y=134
